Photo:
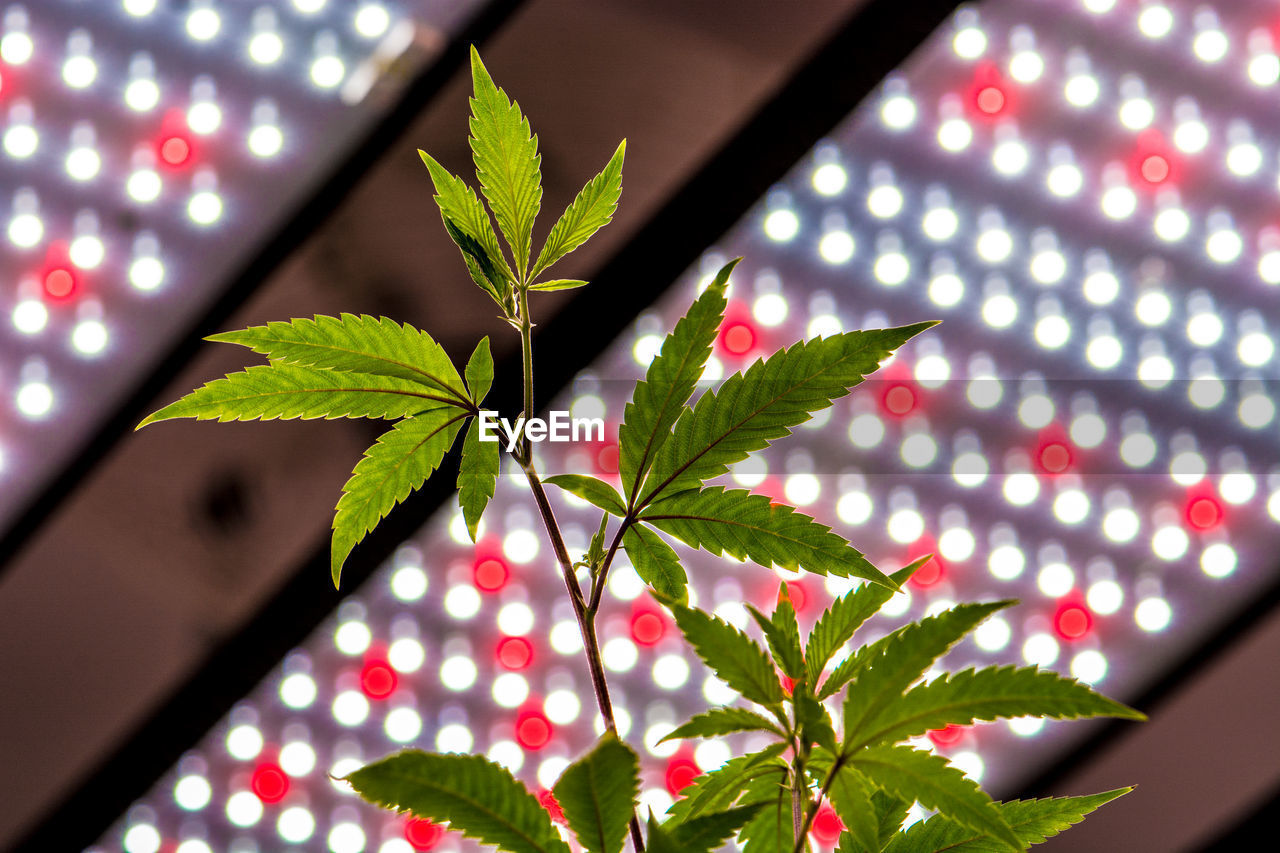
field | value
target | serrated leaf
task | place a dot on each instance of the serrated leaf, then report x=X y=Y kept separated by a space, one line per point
x=659 y=840
x=590 y=211
x=270 y=391
x=479 y=371
x=771 y=829
x=904 y=658
x=732 y=655
x=1032 y=821
x=850 y=667
x=723 y=721
x=359 y=344
x=964 y=697
x=477 y=798
x=752 y=527
x=709 y=832
x=851 y=796
x=558 y=284
x=844 y=616
x=656 y=562
x=507 y=161
x=399 y=462
x=477 y=476
x=782 y=632
x=721 y=788
x=597 y=793
x=928 y=779
x=659 y=398
x=888 y=813
x=594 y=491
x=815 y=723
x=752 y=409
x=464 y=214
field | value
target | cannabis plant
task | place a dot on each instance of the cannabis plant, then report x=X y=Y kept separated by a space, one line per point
x=839 y=732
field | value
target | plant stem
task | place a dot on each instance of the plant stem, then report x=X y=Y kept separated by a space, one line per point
x=797 y=784
x=586 y=616
x=817 y=803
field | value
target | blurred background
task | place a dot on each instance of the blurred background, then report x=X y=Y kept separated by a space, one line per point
x=1085 y=191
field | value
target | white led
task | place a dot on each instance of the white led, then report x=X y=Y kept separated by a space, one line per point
x=994 y=245
x=1210 y=45
x=21 y=141
x=204 y=207
x=298 y=690
x=141 y=95
x=1119 y=202
x=1137 y=113
x=1053 y=331
x=830 y=179
x=346 y=837
x=244 y=809
x=1065 y=180
x=1056 y=580
x=769 y=309
x=1026 y=66
x=1099 y=7
x=352 y=637
x=16 y=47
x=309 y=7
x=970 y=469
x=192 y=793
x=620 y=654
x=1204 y=329
x=802 y=489
x=1155 y=21
x=454 y=737
x=1104 y=597
x=406 y=655
x=296 y=824
x=265 y=140
x=1256 y=411
x=139 y=8
x=203 y=23
x=946 y=290
x=1153 y=308
x=1223 y=245
x=898 y=604
x=143 y=185
x=25 y=230
x=83 y=163
x=999 y=311
x=955 y=134
x=350 y=708
x=885 y=201
x=919 y=450
x=1138 y=450
x=146 y=273
x=1081 y=90
x=1040 y=650
x=969 y=42
x=1264 y=69
x=89 y=337
x=1170 y=542
x=1153 y=614
x=1104 y=351
x=1089 y=666
x=562 y=706
x=1255 y=349
x=565 y=638
x=1244 y=159
x=1206 y=391
x=898 y=112
x=1021 y=488
x=670 y=672
x=327 y=71
x=1071 y=506
x=1088 y=430
x=1191 y=136
x=1121 y=524
x=297 y=758
x=142 y=838
x=940 y=223
x=905 y=526
x=372 y=20
x=1218 y=560
x=402 y=725
x=854 y=508
x=1048 y=266
x=781 y=225
x=993 y=635
x=34 y=399
x=1101 y=287
x=892 y=268
x=1010 y=157
x=836 y=247
x=458 y=672
x=956 y=543
x=79 y=71
x=1171 y=224
x=204 y=117
x=30 y=316
x=409 y=583
x=1269 y=267
x=244 y=742
x=1237 y=487
x=515 y=619
x=1026 y=726
x=266 y=47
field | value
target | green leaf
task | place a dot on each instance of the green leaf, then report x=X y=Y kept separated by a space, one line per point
x=721 y=788
x=592 y=490
x=855 y=663
x=659 y=840
x=658 y=400
x=753 y=409
x=928 y=779
x=270 y=391
x=1032 y=821
x=815 y=723
x=731 y=654
x=399 y=462
x=479 y=371
x=588 y=213
x=478 y=798
x=507 y=161
x=752 y=527
x=656 y=562
x=477 y=476
x=468 y=223
x=890 y=811
x=709 y=832
x=782 y=632
x=597 y=793
x=846 y=614
x=559 y=284
x=999 y=691
x=903 y=659
x=851 y=797
x=723 y=721
x=360 y=344
x=771 y=830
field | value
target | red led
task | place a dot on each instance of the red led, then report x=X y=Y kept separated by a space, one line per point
x=175 y=150
x=899 y=399
x=738 y=338
x=1073 y=621
x=796 y=593
x=1204 y=513
x=989 y=95
x=1153 y=163
x=422 y=834
x=681 y=771
x=59 y=282
x=827 y=826
x=533 y=730
x=1154 y=168
x=377 y=679
x=270 y=783
x=607 y=459
x=552 y=805
x=1055 y=457
x=947 y=736
x=928 y=574
x=491 y=574
x=515 y=652
x=990 y=100
x=647 y=628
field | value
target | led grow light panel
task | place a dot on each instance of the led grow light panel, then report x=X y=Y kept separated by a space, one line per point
x=1084 y=193
x=146 y=151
